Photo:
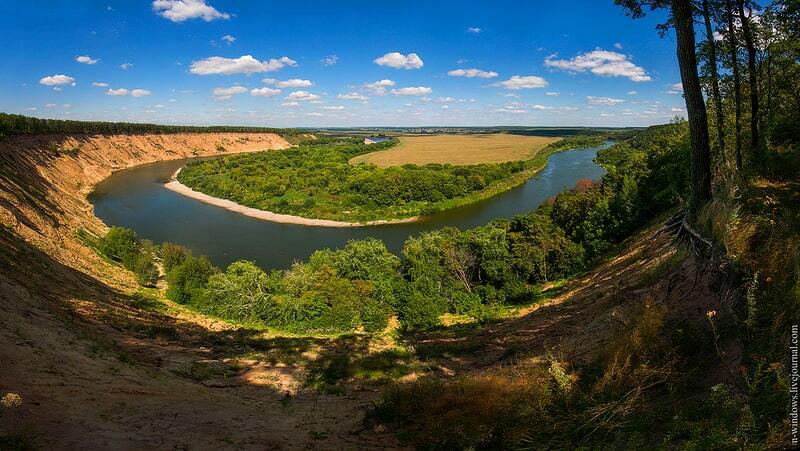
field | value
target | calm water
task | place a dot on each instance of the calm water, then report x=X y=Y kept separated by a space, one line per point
x=137 y=199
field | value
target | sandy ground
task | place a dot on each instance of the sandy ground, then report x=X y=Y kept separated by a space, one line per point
x=182 y=189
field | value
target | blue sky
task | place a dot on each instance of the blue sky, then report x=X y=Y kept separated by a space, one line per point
x=343 y=63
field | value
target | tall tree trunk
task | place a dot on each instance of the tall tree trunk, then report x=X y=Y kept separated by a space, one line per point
x=716 y=97
x=700 y=167
x=737 y=84
x=755 y=142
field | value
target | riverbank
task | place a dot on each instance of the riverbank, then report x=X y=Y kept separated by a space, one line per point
x=178 y=187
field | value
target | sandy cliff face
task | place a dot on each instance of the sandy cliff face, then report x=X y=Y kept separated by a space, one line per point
x=44 y=180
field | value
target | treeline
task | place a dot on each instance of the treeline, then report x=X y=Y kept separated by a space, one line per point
x=17 y=124
x=315 y=180
x=471 y=272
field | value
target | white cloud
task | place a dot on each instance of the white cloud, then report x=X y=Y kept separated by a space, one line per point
x=228 y=39
x=264 y=92
x=159 y=106
x=399 y=61
x=552 y=94
x=57 y=80
x=49 y=105
x=314 y=113
x=217 y=65
x=471 y=73
x=617 y=45
x=601 y=62
x=412 y=91
x=353 y=96
x=125 y=66
x=675 y=88
x=378 y=88
x=181 y=10
x=86 y=59
x=333 y=108
x=511 y=110
x=290 y=104
x=475 y=30
x=140 y=92
x=117 y=92
x=718 y=36
x=228 y=92
x=523 y=82
x=633 y=93
x=330 y=60
x=100 y=84
x=302 y=95
x=606 y=101
x=293 y=83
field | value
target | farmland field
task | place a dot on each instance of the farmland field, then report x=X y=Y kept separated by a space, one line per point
x=458 y=149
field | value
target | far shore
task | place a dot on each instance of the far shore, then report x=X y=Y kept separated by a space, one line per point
x=180 y=188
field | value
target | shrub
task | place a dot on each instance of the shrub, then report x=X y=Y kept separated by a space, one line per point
x=188 y=280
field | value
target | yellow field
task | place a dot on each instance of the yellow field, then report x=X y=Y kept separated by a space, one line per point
x=458 y=149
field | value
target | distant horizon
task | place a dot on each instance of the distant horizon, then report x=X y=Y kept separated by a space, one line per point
x=343 y=64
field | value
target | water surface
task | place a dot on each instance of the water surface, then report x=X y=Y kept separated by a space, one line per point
x=136 y=198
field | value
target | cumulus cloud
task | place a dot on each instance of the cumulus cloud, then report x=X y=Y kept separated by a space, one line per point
x=100 y=84
x=378 y=88
x=600 y=62
x=228 y=39
x=264 y=92
x=353 y=96
x=140 y=92
x=117 y=92
x=57 y=80
x=302 y=95
x=125 y=66
x=606 y=101
x=675 y=88
x=182 y=10
x=475 y=30
x=228 y=92
x=471 y=73
x=217 y=65
x=399 y=61
x=633 y=93
x=86 y=59
x=412 y=91
x=292 y=83
x=552 y=94
x=523 y=82
x=330 y=60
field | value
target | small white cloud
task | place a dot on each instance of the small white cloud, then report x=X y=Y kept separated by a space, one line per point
x=675 y=88
x=523 y=82
x=511 y=110
x=140 y=92
x=601 y=62
x=290 y=104
x=264 y=92
x=86 y=59
x=302 y=95
x=552 y=94
x=606 y=101
x=292 y=83
x=181 y=10
x=125 y=66
x=617 y=45
x=412 y=91
x=353 y=96
x=314 y=113
x=228 y=39
x=633 y=93
x=172 y=100
x=117 y=92
x=228 y=92
x=378 y=88
x=159 y=106
x=333 y=108
x=399 y=61
x=57 y=80
x=100 y=84
x=475 y=30
x=217 y=65
x=471 y=73
x=330 y=60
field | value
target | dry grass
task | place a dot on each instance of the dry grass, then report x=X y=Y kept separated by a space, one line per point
x=458 y=149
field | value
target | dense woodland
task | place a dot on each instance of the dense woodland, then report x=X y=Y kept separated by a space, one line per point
x=315 y=180
x=17 y=124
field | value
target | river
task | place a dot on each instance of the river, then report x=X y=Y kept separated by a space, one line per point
x=136 y=198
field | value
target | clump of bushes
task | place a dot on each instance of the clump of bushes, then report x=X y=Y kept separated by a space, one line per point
x=123 y=246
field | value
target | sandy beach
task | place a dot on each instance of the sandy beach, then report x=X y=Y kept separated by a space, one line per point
x=180 y=188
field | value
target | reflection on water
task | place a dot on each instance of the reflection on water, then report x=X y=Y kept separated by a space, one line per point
x=136 y=199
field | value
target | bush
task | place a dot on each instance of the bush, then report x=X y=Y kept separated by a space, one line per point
x=187 y=281
x=172 y=255
x=122 y=245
